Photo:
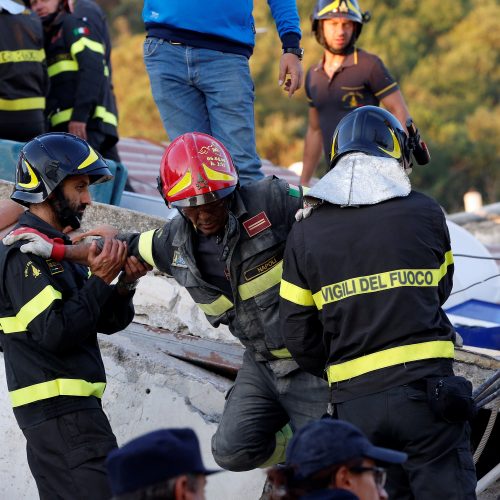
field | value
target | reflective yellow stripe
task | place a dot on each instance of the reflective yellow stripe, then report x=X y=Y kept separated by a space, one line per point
x=295 y=294
x=217 y=307
x=61 y=117
x=53 y=388
x=105 y=116
x=262 y=283
x=214 y=175
x=30 y=310
x=380 y=282
x=385 y=89
x=22 y=104
x=84 y=43
x=61 y=67
x=283 y=437
x=281 y=353
x=33 y=181
x=17 y=56
x=396 y=150
x=100 y=112
x=182 y=184
x=146 y=246
x=91 y=158
x=390 y=357
x=331 y=7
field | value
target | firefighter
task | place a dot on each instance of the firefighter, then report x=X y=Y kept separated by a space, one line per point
x=80 y=100
x=91 y=13
x=346 y=78
x=23 y=73
x=226 y=248
x=50 y=313
x=365 y=277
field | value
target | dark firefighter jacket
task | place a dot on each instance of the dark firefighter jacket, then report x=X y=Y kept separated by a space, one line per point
x=23 y=70
x=50 y=313
x=261 y=216
x=80 y=88
x=362 y=293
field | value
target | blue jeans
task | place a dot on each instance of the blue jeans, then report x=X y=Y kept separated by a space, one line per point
x=206 y=91
x=258 y=405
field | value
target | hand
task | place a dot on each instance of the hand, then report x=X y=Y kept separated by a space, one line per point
x=290 y=64
x=103 y=231
x=109 y=262
x=78 y=128
x=304 y=182
x=309 y=204
x=39 y=244
x=134 y=269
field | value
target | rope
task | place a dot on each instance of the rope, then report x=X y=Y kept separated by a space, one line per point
x=487 y=434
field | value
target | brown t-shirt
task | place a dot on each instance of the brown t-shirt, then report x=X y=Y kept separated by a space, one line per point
x=361 y=80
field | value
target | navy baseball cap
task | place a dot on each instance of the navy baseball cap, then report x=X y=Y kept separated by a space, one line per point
x=326 y=442
x=155 y=457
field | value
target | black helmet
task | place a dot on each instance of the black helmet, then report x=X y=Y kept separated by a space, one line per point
x=347 y=9
x=373 y=131
x=48 y=159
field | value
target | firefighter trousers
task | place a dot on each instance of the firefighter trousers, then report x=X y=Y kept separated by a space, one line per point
x=439 y=464
x=258 y=406
x=66 y=455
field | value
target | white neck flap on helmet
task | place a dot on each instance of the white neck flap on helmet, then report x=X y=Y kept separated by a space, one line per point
x=360 y=179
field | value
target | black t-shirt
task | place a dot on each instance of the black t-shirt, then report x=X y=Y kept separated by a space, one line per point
x=210 y=264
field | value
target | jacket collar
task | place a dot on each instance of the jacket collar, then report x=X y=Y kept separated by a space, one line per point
x=31 y=220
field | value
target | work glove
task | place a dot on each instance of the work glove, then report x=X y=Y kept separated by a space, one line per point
x=309 y=204
x=38 y=243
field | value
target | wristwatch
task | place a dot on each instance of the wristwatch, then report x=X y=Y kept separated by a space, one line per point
x=298 y=51
x=129 y=287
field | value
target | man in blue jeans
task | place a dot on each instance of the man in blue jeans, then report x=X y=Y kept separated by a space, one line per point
x=197 y=60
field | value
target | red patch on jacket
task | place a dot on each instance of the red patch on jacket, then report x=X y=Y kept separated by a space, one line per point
x=256 y=224
x=57 y=36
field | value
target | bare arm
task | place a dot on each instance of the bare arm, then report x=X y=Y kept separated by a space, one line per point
x=313 y=147
x=10 y=212
x=395 y=103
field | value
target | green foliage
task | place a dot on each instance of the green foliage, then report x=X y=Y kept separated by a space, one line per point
x=445 y=55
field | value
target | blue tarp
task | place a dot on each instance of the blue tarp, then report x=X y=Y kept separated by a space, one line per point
x=478 y=322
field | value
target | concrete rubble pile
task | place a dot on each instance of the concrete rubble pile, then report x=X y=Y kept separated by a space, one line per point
x=149 y=389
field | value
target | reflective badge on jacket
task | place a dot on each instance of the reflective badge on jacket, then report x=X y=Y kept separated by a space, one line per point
x=256 y=224
x=178 y=260
x=35 y=272
x=54 y=266
x=252 y=273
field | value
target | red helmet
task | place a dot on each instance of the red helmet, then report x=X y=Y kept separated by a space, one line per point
x=196 y=169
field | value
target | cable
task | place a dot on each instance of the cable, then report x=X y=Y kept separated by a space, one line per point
x=475 y=256
x=488 y=399
x=474 y=284
x=486 y=385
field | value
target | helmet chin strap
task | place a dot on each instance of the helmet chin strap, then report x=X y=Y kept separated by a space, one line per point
x=66 y=216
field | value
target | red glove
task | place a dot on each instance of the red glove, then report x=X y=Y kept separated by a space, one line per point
x=38 y=243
